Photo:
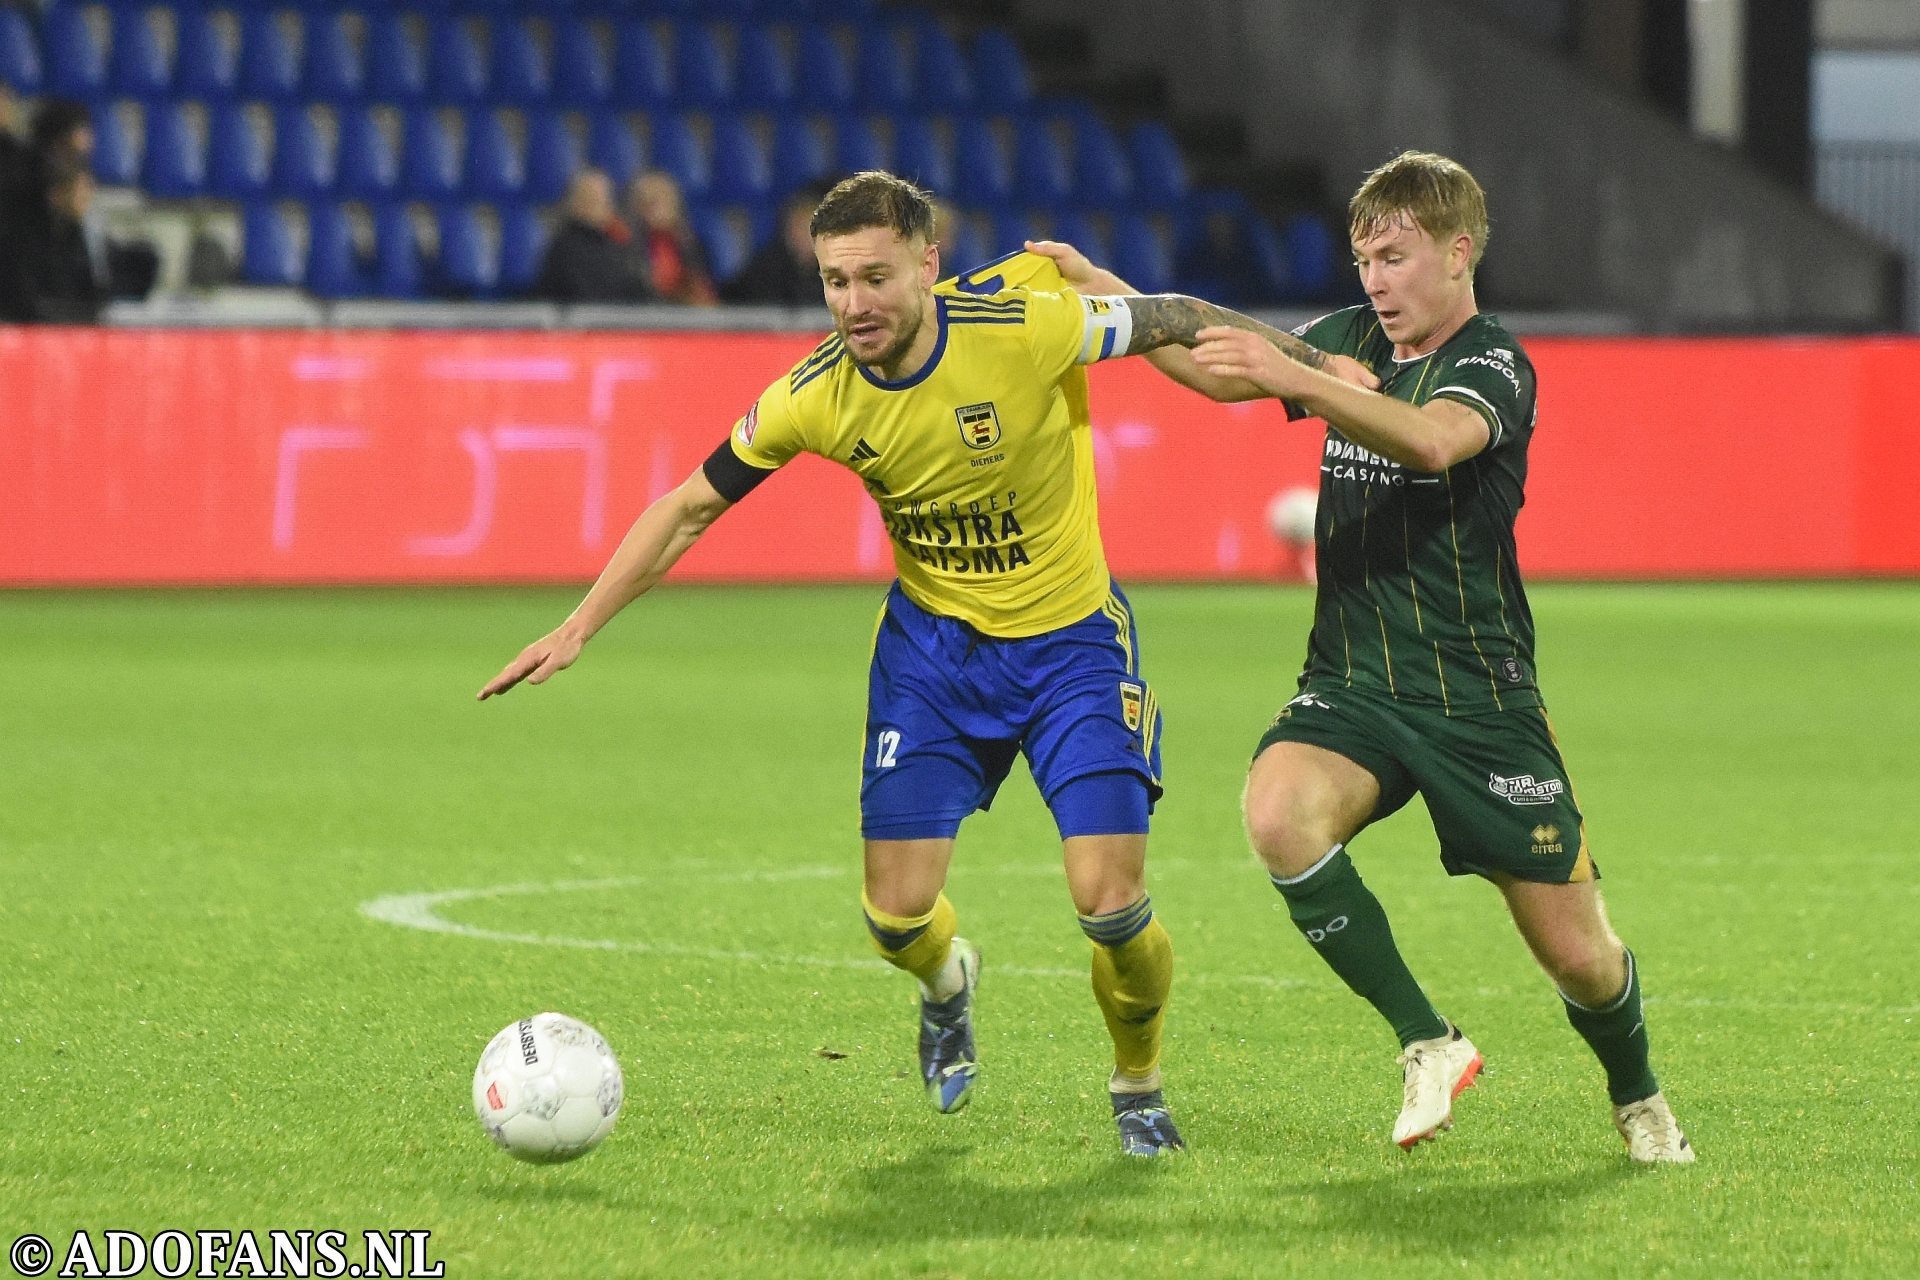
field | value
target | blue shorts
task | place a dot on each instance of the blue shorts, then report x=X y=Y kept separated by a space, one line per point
x=949 y=707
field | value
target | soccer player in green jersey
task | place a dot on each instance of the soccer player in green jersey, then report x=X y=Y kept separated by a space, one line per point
x=1420 y=673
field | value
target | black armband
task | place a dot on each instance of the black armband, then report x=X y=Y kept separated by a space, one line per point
x=730 y=477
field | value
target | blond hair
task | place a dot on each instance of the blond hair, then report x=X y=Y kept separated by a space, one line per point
x=1437 y=193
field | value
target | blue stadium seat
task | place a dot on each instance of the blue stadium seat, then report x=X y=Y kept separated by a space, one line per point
x=335 y=70
x=728 y=238
x=430 y=157
x=1102 y=178
x=1040 y=166
x=701 y=77
x=980 y=158
x=802 y=152
x=966 y=249
x=118 y=142
x=1159 y=172
x=270 y=54
x=496 y=162
x=1313 y=257
x=140 y=67
x=554 y=152
x=620 y=145
x=523 y=245
x=304 y=163
x=239 y=151
x=1141 y=255
x=520 y=70
x=582 y=72
x=944 y=82
x=1012 y=229
x=788 y=10
x=741 y=173
x=271 y=249
x=845 y=10
x=20 y=68
x=824 y=81
x=469 y=253
x=886 y=79
x=207 y=64
x=1000 y=72
x=1084 y=234
x=641 y=77
x=857 y=145
x=726 y=10
x=334 y=269
x=369 y=167
x=397 y=259
x=677 y=149
x=762 y=72
x=456 y=64
x=396 y=59
x=176 y=158
x=76 y=60
x=921 y=152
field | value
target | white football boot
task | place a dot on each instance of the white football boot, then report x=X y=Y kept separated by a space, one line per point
x=1653 y=1135
x=1436 y=1071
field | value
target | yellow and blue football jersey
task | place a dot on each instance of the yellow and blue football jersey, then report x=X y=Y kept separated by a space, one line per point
x=982 y=461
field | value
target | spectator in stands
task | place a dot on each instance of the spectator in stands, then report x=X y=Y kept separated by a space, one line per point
x=591 y=257
x=13 y=152
x=678 y=263
x=784 y=271
x=52 y=276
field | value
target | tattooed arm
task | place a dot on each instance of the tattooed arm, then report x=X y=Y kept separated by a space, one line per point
x=1174 y=319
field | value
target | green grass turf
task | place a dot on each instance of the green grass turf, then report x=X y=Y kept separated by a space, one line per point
x=202 y=1029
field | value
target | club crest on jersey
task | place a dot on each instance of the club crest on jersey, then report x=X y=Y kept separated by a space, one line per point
x=979 y=425
x=1524 y=790
x=1132 y=696
x=750 y=424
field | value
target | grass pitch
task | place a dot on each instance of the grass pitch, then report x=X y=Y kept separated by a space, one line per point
x=200 y=794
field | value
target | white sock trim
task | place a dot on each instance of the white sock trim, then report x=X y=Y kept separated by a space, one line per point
x=1308 y=873
x=1612 y=1004
x=947 y=983
x=1118 y=1083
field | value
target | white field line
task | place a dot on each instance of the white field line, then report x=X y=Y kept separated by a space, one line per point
x=421 y=911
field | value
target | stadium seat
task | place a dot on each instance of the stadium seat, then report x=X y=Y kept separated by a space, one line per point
x=802 y=152
x=1012 y=228
x=398 y=268
x=554 y=152
x=397 y=59
x=430 y=156
x=240 y=151
x=677 y=148
x=845 y=10
x=272 y=250
x=469 y=252
x=582 y=72
x=496 y=163
x=967 y=250
x=335 y=70
x=942 y=80
x=523 y=246
x=727 y=235
x=726 y=10
x=701 y=77
x=176 y=151
x=763 y=73
x=119 y=140
x=980 y=160
x=140 y=67
x=641 y=77
x=520 y=71
x=999 y=72
x=1313 y=257
x=886 y=80
x=788 y=10
x=304 y=152
x=1102 y=178
x=1083 y=233
x=1141 y=255
x=76 y=56
x=1159 y=173
x=207 y=63
x=270 y=54
x=857 y=146
x=20 y=68
x=369 y=166
x=741 y=173
x=824 y=82
x=923 y=152
x=619 y=144
x=334 y=269
x=1040 y=165
x=456 y=61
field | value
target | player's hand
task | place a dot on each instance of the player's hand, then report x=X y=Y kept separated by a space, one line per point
x=1238 y=353
x=537 y=663
x=1352 y=372
x=1075 y=266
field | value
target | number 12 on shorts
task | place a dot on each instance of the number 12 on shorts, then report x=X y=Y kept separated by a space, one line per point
x=885 y=744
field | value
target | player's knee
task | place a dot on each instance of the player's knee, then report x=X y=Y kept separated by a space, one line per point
x=1282 y=829
x=1591 y=972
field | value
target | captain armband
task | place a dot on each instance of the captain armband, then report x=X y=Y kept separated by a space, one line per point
x=1109 y=328
x=731 y=476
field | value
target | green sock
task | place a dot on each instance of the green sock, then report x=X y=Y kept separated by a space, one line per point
x=1348 y=927
x=1617 y=1033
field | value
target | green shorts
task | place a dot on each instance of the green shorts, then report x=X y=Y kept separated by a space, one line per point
x=1494 y=784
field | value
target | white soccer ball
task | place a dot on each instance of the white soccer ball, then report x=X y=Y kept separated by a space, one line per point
x=547 y=1089
x=1290 y=516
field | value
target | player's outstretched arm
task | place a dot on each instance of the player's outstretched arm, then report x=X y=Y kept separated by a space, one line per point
x=657 y=540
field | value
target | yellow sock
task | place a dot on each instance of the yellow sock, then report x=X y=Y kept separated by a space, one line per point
x=1132 y=975
x=918 y=944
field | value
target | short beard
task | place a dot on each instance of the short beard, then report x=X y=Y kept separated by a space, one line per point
x=897 y=348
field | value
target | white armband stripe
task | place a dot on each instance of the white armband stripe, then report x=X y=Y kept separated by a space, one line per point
x=1492 y=414
x=1109 y=328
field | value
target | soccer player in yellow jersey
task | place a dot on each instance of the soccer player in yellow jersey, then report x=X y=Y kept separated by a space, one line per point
x=963 y=409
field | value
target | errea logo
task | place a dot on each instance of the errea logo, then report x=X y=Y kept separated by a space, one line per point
x=1522 y=789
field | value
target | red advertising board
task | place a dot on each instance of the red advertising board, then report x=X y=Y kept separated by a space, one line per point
x=238 y=456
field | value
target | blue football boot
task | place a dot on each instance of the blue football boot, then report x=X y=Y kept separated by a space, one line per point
x=1146 y=1127
x=947 y=1062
